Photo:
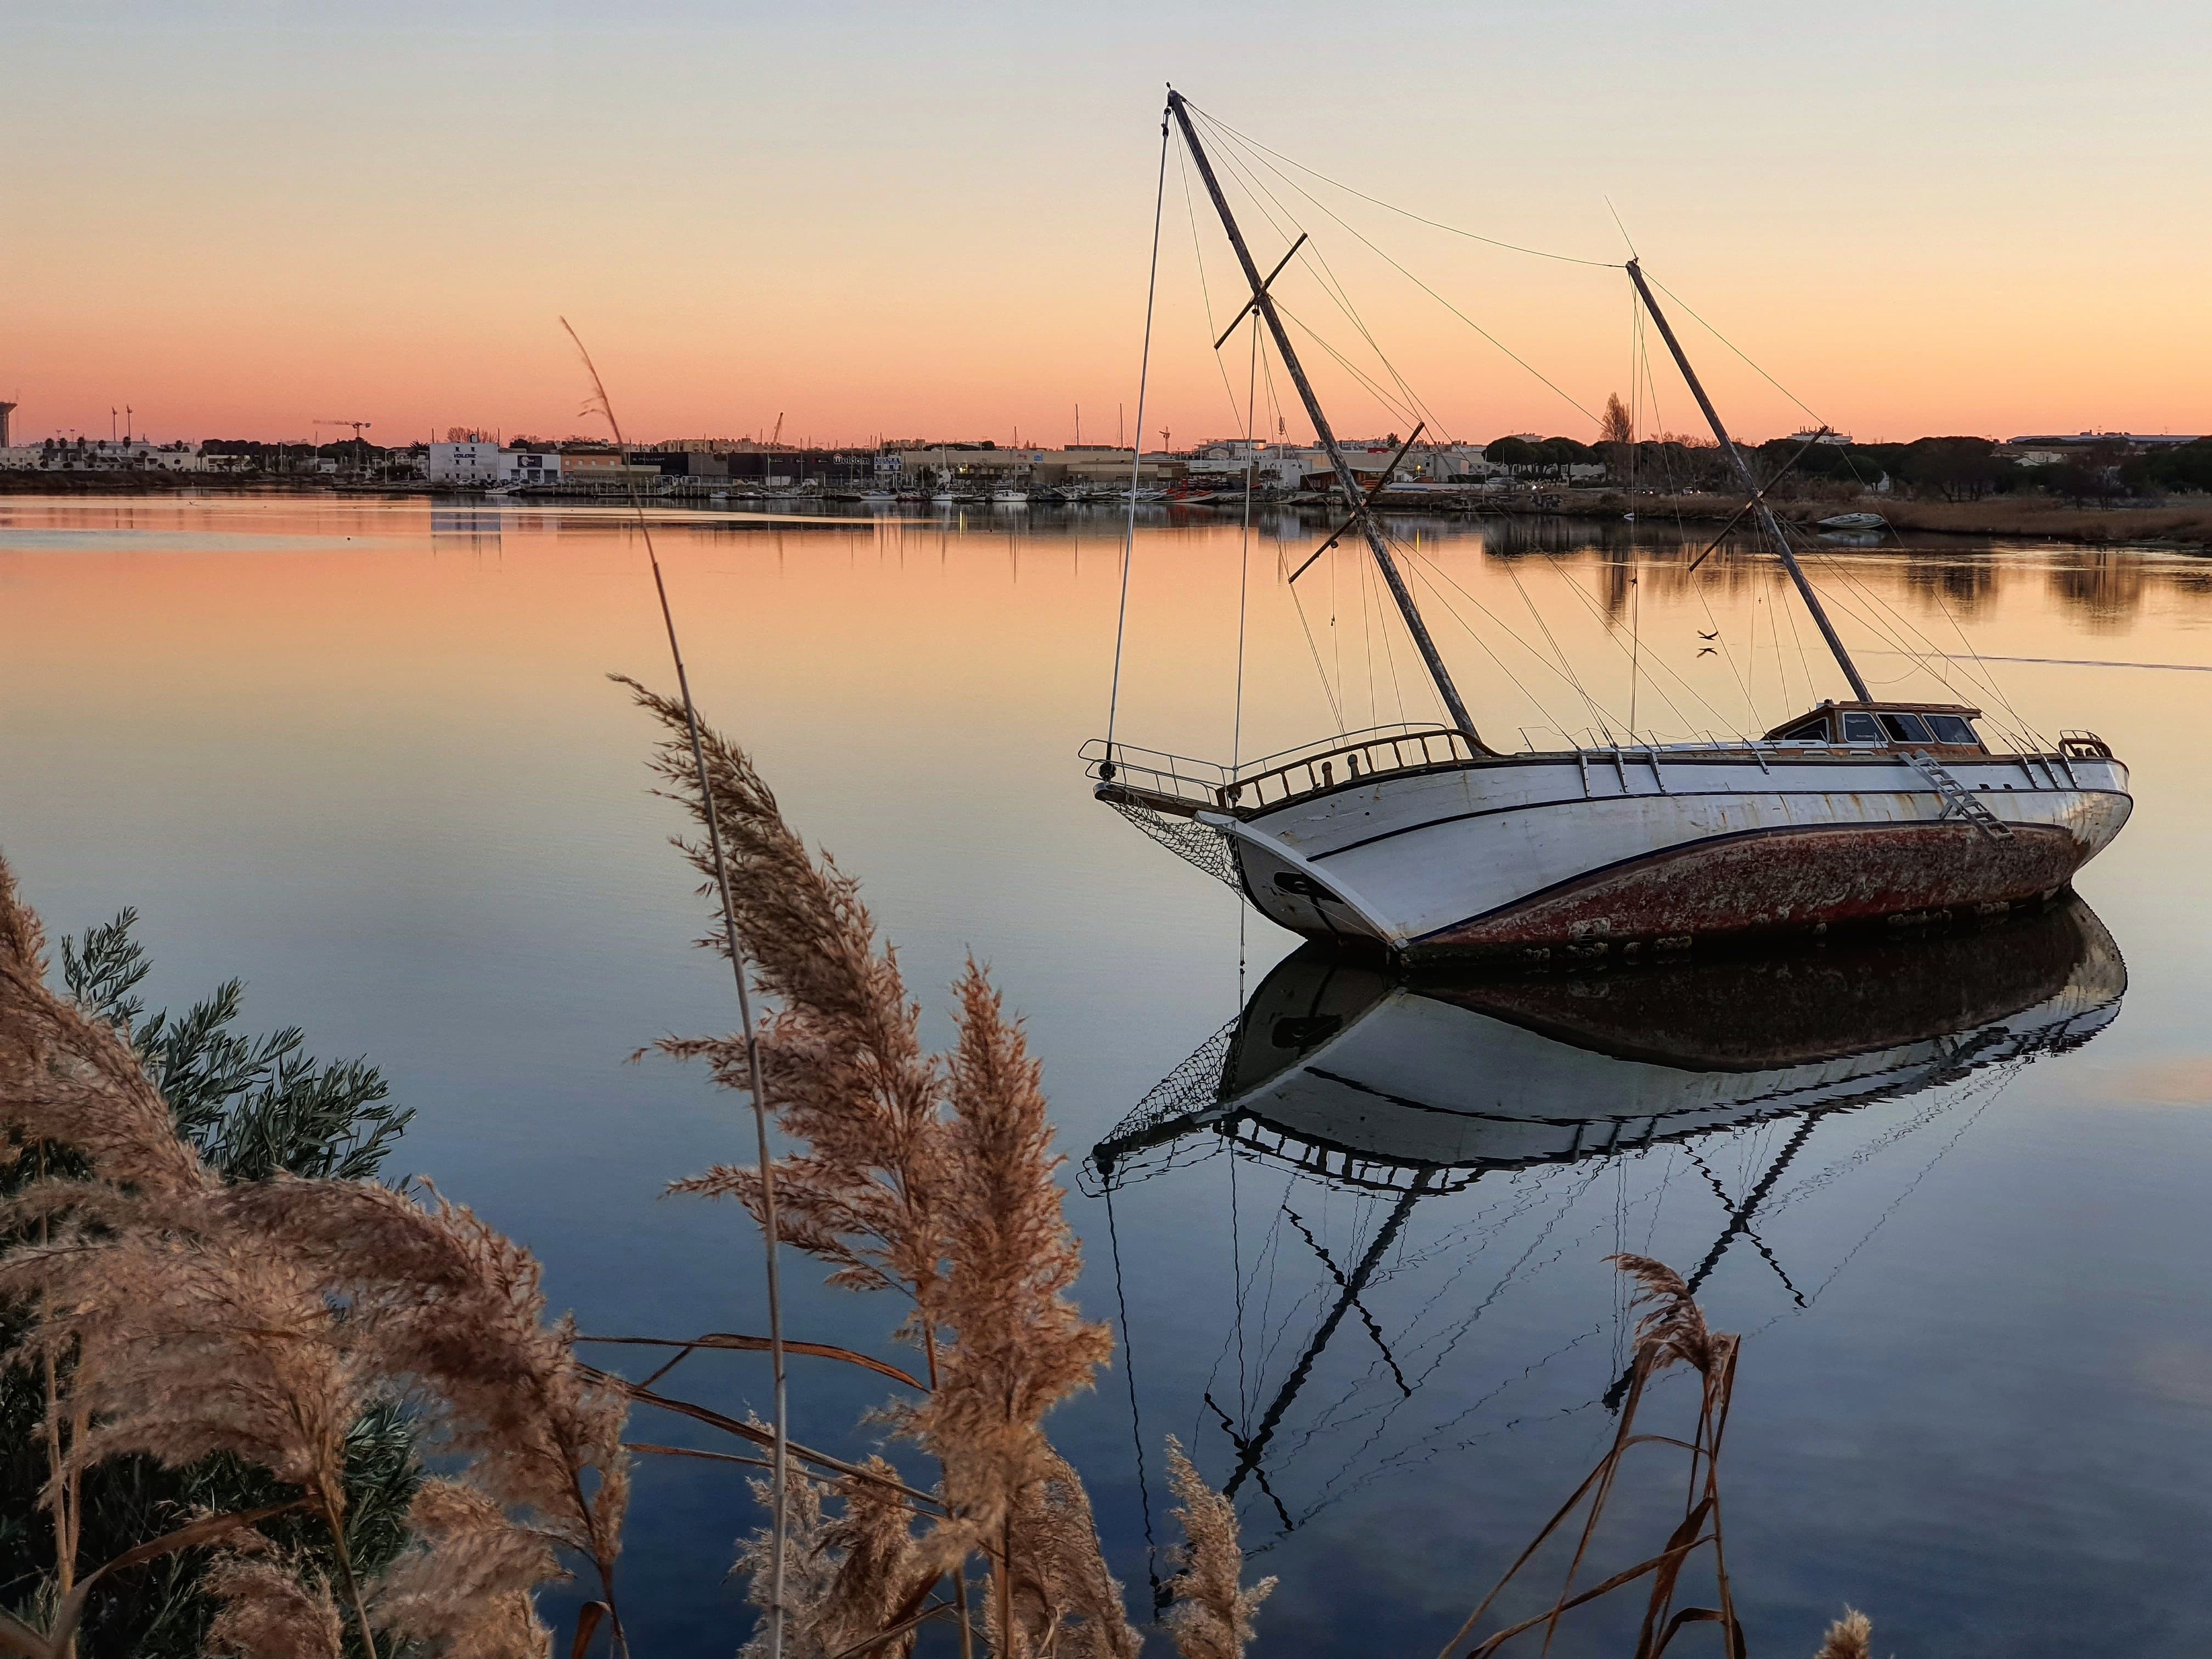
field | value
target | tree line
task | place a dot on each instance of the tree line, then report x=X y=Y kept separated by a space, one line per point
x=1953 y=469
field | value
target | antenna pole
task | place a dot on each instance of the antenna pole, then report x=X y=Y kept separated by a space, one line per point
x=1354 y=496
x=1751 y=487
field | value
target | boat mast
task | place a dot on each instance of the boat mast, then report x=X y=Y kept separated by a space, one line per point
x=1353 y=495
x=1751 y=487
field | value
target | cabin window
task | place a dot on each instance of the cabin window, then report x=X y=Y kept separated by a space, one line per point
x=1906 y=728
x=1950 y=728
x=1861 y=728
x=1814 y=730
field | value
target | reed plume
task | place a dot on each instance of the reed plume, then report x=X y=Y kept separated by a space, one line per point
x=935 y=1177
x=1850 y=1637
x=1209 y=1608
x=844 y=1575
x=1674 y=1328
x=68 y=1080
x=1015 y=1345
x=436 y=1294
x=841 y=1053
x=271 y=1610
x=1062 y=1600
x=463 y=1586
x=178 y=1315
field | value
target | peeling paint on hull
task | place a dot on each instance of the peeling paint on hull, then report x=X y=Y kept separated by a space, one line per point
x=1775 y=879
x=1543 y=853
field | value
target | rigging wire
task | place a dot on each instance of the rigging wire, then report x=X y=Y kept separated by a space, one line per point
x=1403 y=411
x=1517 y=359
x=1205 y=290
x=1565 y=258
x=1244 y=579
x=1422 y=567
x=1640 y=355
x=1136 y=1423
x=1738 y=349
x=1565 y=667
x=1325 y=274
x=1137 y=453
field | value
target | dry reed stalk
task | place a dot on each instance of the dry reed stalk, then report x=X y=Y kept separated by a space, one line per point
x=1673 y=1330
x=1209 y=1608
x=933 y=1177
x=1850 y=1637
x=733 y=946
x=846 y=1575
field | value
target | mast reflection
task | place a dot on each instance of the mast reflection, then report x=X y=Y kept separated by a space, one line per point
x=1392 y=1090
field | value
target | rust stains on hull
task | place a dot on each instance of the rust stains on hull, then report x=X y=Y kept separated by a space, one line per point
x=1780 y=879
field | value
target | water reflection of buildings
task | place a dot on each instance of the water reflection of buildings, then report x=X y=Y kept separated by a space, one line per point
x=465 y=529
x=1397 y=1155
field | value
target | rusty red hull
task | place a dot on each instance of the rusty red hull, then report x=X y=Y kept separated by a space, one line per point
x=1792 y=879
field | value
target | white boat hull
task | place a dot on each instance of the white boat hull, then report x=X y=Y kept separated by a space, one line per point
x=1605 y=851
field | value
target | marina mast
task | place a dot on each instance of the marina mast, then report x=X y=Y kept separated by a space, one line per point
x=1751 y=487
x=1355 y=497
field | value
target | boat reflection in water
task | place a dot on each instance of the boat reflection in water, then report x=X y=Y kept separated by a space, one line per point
x=1491 y=1106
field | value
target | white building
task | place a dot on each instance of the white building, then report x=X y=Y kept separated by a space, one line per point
x=477 y=462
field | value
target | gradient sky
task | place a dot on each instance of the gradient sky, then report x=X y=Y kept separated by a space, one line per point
x=1950 y=216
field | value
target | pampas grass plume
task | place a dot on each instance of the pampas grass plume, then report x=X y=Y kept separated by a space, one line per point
x=1850 y=1637
x=1210 y=1610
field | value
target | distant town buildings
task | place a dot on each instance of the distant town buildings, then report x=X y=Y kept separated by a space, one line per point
x=100 y=455
x=713 y=468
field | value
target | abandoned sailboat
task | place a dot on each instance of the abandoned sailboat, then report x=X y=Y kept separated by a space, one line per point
x=1426 y=839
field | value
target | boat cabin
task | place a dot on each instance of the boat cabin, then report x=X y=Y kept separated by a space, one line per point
x=1886 y=726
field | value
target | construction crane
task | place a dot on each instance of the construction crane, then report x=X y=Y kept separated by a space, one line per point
x=777 y=440
x=360 y=452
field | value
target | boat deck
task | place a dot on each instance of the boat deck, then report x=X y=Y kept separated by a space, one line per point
x=1180 y=786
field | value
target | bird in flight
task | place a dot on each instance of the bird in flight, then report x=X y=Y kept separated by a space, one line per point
x=1715 y=635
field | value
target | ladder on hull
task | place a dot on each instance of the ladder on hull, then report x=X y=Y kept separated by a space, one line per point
x=1958 y=800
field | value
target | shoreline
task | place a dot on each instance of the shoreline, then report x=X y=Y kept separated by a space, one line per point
x=2008 y=518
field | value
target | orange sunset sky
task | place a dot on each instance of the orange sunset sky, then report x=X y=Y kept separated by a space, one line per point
x=915 y=220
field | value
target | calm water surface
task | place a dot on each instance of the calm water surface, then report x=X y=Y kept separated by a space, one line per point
x=1951 y=1190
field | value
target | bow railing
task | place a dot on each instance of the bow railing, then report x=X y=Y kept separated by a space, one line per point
x=1175 y=783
